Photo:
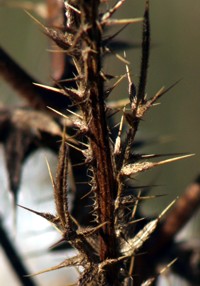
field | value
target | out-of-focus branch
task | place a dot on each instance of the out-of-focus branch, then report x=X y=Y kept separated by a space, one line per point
x=19 y=79
x=183 y=210
x=61 y=66
x=55 y=18
x=160 y=243
x=14 y=259
x=37 y=97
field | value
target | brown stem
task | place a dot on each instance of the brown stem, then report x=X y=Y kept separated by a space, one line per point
x=96 y=120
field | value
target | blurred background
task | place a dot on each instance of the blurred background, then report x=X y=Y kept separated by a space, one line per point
x=171 y=127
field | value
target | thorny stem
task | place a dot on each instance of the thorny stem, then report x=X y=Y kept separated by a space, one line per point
x=105 y=183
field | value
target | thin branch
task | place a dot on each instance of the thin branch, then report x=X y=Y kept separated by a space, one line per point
x=145 y=55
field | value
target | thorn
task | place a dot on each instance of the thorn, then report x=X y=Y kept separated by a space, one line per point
x=90 y=231
x=160 y=93
x=51 y=88
x=150 y=281
x=108 y=14
x=123 y=21
x=35 y=20
x=131 y=86
x=73 y=261
x=167 y=208
x=50 y=174
x=123 y=60
x=87 y=194
x=160 y=155
x=136 y=205
x=60 y=241
x=173 y=159
x=75 y=147
x=47 y=216
x=135 y=221
x=118 y=104
x=58 y=112
x=168 y=266
x=117 y=147
x=76 y=114
x=152 y=197
x=110 y=89
x=72 y=7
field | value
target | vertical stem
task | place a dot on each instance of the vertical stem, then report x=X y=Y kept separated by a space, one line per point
x=96 y=120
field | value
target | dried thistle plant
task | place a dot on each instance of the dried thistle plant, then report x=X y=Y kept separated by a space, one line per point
x=105 y=249
x=111 y=235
